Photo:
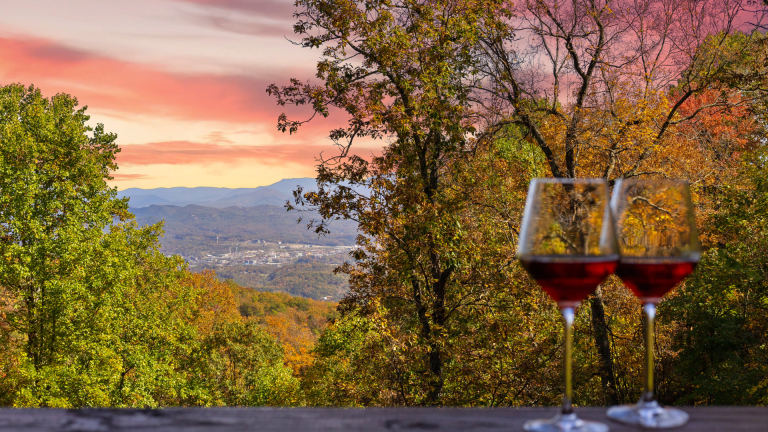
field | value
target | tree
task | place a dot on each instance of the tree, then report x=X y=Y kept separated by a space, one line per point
x=242 y=365
x=718 y=319
x=91 y=313
x=348 y=370
x=441 y=205
x=720 y=316
x=53 y=193
x=591 y=87
x=214 y=302
x=89 y=301
x=400 y=70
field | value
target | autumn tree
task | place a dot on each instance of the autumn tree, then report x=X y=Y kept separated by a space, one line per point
x=718 y=319
x=214 y=301
x=500 y=336
x=401 y=71
x=602 y=87
x=241 y=364
x=611 y=89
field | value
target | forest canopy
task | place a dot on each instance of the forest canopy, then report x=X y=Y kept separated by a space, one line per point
x=470 y=100
x=91 y=313
x=474 y=98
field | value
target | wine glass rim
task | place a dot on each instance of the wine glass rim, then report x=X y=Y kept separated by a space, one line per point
x=569 y=180
x=689 y=256
x=663 y=181
x=568 y=257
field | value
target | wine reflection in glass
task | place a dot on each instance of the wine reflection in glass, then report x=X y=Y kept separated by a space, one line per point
x=567 y=245
x=658 y=248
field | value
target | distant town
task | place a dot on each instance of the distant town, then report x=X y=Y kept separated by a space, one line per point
x=261 y=253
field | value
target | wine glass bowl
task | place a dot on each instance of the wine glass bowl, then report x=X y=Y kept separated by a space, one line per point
x=567 y=245
x=566 y=242
x=657 y=237
x=658 y=247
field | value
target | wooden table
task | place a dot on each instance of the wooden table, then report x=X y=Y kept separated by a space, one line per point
x=704 y=419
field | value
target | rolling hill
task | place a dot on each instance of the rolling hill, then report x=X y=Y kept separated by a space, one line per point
x=192 y=227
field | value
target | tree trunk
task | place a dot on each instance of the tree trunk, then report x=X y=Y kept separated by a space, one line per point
x=603 y=345
x=33 y=331
x=434 y=356
x=436 y=380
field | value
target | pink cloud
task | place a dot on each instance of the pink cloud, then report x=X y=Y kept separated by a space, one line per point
x=275 y=9
x=248 y=27
x=126 y=87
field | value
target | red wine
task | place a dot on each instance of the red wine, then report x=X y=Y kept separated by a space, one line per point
x=566 y=279
x=651 y=278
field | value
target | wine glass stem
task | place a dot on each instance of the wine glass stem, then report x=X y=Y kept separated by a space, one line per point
x=567 y=395
x=650 y=314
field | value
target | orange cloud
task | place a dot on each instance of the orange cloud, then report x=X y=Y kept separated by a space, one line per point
x=186 y=152
x=128 y=177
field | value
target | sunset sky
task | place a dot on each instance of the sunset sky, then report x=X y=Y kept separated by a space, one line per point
x=181 y=82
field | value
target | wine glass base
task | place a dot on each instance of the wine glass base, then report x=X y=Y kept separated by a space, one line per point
x=564 y=423
x=649 y=415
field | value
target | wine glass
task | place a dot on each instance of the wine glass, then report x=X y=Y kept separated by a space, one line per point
x=567 y=245
x=658 y=248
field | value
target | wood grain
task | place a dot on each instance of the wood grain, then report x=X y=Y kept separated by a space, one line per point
x=704 y=419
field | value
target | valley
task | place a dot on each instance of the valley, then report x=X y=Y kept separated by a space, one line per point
x=262 y=247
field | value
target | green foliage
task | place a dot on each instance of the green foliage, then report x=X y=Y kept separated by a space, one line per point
x=305 y=279
x=91 y=313
x=722 y=311
x=350 y=369
x=244 y=367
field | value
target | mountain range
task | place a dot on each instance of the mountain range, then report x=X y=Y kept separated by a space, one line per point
x=196 y=217
x=275 y=194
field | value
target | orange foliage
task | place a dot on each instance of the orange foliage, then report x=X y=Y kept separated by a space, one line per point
x=215 y=301
x=707 y=151
x=295 y=322
x=290 y=330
